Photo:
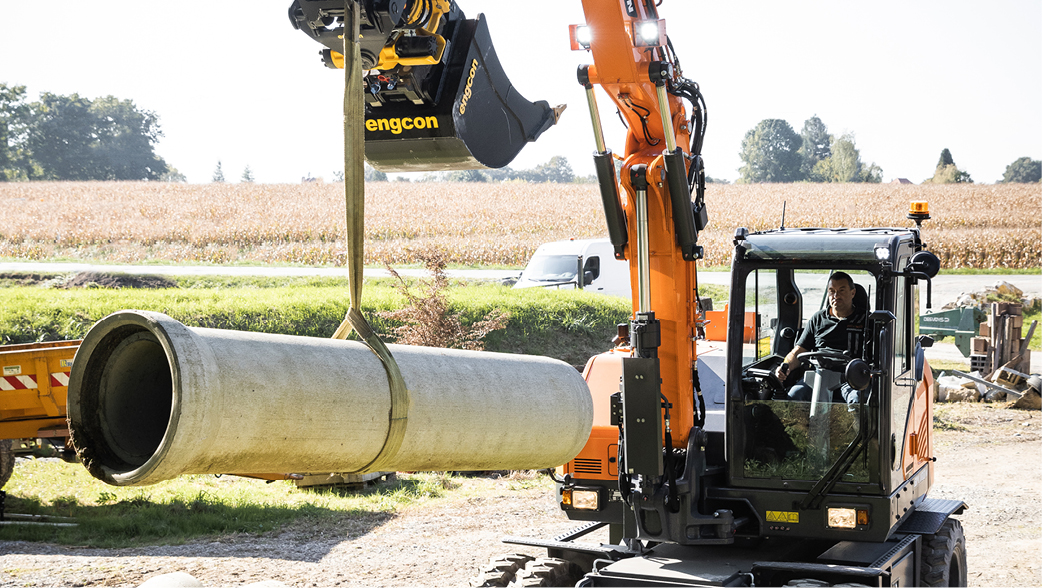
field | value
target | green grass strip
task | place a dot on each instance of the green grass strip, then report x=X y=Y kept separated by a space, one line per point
x=189 y=507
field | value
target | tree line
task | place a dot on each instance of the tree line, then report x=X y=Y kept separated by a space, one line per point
x=69 y=137
x=558 y=171
x=773 y=151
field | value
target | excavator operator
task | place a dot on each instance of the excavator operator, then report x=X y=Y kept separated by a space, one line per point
x=838 y=328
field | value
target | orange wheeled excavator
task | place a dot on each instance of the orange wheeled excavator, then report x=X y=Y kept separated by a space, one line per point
x=704 y=468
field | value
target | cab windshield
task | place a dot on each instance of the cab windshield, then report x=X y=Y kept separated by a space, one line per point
x=797 y=426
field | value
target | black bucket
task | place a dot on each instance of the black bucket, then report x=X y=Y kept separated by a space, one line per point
x=477 y=120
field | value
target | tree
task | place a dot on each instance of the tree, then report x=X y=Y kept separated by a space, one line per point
x=945 y=159
x=373 y=175
x=844 y=164
x=771 y=153
x=468 y=175
x=501 y=174
x=172 y=175
x=1023 y=171
x=13 y=111
x=247 y=175
x=74 y=138
x=947 y=172
x=817 y=145
x=557 y=171
x=218 y=173
x=126 y=139
x=59 y=136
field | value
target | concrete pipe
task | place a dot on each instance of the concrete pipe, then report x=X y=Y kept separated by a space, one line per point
x=151 y=399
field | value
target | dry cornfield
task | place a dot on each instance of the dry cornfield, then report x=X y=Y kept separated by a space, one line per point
x=983 y=226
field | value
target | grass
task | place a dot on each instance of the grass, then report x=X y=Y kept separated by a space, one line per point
x=945 y=419
x=569 y=325
x=191 y=507
x=973 y=271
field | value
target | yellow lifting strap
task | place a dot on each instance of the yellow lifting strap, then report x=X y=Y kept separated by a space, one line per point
x=354 y=194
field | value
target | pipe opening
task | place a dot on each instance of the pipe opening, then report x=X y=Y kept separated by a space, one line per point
x=128 y=398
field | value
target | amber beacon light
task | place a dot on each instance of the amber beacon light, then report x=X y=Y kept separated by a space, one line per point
x=919 y=211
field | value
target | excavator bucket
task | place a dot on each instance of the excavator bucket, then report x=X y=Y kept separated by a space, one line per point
x=477 y=120
x=436 y=96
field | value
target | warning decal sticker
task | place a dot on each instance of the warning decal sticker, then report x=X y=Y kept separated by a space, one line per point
x=782 y=516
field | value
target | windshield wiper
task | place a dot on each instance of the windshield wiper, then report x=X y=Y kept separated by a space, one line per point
x=813 y=499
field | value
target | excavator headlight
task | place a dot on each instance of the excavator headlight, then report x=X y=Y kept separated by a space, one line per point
x=581 y=499
x=581 y=36
x=649 y=33
x=842 y=518
x=851 y=517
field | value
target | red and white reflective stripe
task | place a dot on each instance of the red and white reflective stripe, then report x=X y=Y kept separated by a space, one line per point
x=17 y=382
x=58 y=379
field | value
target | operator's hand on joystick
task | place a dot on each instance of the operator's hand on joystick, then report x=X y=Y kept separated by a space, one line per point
x=782 y=372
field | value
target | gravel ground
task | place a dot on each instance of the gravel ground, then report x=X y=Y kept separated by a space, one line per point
x=986 y=455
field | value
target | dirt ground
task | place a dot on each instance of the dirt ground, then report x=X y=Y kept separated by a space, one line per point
x=986 y=455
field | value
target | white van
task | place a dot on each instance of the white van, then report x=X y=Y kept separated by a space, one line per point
x=556 y=265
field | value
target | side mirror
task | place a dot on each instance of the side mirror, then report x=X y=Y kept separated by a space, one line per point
x=858 y=374
x=920 y=363
x=924 y=341
x=926 y=263
x=587 y=278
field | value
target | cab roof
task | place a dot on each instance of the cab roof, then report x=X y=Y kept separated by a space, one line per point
x=818 y=244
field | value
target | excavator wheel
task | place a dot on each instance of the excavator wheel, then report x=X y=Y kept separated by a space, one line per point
x=6 y=461
x=501 y=571
x=944 y=556
x=548 y=571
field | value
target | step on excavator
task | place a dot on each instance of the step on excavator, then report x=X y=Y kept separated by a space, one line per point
x=707 y=463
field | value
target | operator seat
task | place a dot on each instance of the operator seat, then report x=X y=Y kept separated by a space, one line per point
x=861 y=298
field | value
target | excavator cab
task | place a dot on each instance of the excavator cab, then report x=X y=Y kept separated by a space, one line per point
x=852 y=460
x=436 y=95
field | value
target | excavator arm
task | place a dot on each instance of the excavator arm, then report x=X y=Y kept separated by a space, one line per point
x=653 y=221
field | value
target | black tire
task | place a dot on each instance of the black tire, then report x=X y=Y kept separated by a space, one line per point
x=501 y=571
x=548 y=571
x=944 y=556
x=6 y=461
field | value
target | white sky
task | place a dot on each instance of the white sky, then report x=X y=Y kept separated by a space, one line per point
x=232 y=81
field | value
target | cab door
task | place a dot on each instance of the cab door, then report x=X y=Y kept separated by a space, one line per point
x=904 y=383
